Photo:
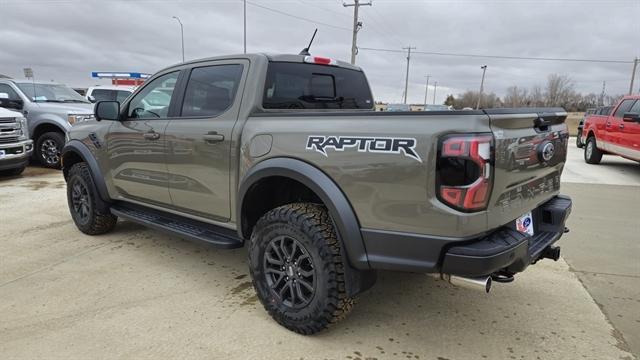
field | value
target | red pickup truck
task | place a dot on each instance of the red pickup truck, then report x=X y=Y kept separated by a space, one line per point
x=617 y=133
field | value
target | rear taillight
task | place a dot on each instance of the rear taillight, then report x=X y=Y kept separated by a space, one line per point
x=464 y=176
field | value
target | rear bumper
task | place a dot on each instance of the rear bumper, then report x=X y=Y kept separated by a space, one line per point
x=507 y=249
x=503 y=250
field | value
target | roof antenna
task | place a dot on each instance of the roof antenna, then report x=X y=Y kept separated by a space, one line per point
x=305 y=51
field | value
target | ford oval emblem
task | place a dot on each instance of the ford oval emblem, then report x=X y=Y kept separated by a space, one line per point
x=547 y=150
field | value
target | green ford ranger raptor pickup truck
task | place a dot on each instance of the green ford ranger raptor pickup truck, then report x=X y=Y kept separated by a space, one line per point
x=286 y=153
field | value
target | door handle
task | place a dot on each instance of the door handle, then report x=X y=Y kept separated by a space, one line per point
x=621 y=126
x=608 y=124
x=213 y=137
x=151 y=135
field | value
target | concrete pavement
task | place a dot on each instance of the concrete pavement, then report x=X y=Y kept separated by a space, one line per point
x=603 y=247
x=136 y=293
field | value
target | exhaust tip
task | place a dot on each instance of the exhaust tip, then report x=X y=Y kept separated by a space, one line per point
x=480 y=283
x=487 y=287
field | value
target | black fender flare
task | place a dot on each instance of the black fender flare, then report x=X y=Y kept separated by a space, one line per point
x=333 y=198
x=80 y=149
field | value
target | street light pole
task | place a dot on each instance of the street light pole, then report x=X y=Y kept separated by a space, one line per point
x=181 y=35
x=435 y=87
x=245 y=26
x=484 y=70
x=426 y=90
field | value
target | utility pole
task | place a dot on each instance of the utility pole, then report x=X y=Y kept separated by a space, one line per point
x=484 y=70
x=601 y=102
x=181 y=35
x=633 y=74
x=426 y=90
x=356 y=27
x=245 y=26
x=406 y=80
x=435 y=87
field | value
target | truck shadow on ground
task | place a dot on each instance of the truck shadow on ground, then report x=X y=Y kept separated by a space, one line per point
x=402 y=315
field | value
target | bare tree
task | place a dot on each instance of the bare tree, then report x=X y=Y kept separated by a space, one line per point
x=559 y=90
x=469 y=99
x=516 y=97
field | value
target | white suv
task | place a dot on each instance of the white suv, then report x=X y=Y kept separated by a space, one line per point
x=109 y=93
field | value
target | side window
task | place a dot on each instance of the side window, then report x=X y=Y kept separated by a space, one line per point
x=102 y=95
x=623 y=108
x=211 y=90
x=154 y=99
x=635 y=108
x=12 y=94
x=121 y=96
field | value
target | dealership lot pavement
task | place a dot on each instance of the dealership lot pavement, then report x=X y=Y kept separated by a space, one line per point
x=136 y=293
x=603 y=248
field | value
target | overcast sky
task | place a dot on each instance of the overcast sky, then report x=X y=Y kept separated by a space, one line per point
x=64 y=40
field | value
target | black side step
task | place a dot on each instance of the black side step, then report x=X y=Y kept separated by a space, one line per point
x=180 y=226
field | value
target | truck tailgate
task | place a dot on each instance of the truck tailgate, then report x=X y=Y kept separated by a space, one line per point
x=530 y=152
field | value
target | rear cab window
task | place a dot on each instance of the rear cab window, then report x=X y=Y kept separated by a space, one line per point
x=311 y=86
x=211 y=90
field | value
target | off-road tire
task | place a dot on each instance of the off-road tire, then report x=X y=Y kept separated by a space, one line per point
x=12 y=172
x=312 y=227
x=592 y=155
x=44 y=150
x=82 y=193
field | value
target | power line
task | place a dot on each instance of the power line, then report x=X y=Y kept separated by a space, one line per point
x=296 y=16
x=502 y=56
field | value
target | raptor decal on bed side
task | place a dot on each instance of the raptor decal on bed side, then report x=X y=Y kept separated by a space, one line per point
x=388 y=145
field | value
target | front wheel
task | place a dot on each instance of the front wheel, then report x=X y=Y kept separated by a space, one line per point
x=48 y=149
x=296 y=266
x=579 y=143
x=592 y=155
x=81 y=197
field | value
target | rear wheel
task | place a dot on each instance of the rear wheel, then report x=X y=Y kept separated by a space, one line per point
x=592 y=155
x=81 y=197
x=48 y=149
x=579 y=143
x=296 y=266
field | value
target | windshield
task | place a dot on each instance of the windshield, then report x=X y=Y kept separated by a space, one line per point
x=50 y=93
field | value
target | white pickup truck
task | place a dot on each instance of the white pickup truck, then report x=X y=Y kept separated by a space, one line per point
x=15 y=145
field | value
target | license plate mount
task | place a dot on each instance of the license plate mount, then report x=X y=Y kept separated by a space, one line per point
x=524 y=224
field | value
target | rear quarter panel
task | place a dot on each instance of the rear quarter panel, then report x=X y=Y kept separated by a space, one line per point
x=388 y=191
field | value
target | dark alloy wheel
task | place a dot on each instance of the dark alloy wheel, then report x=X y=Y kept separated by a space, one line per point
x=81 y=197
x=80 y=201
x=48 y=149
x=296 y=266
x=289 y=271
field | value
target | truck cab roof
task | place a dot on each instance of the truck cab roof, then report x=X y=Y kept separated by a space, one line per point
x=293 y=58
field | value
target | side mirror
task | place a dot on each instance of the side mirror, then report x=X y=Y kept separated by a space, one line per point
x=631 y=117
x=107 y=110
x=91 y=99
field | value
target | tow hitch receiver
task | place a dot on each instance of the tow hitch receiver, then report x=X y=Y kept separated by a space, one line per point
x=551 y=252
